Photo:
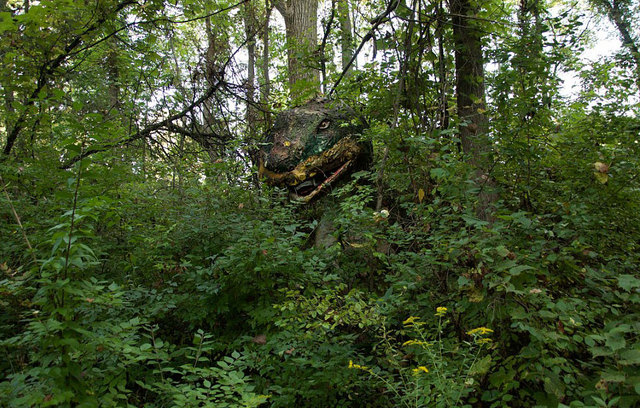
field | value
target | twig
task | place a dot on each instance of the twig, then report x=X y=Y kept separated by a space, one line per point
x=157 y=20
x=17 y=217
x=323 y=45
x=377 y=21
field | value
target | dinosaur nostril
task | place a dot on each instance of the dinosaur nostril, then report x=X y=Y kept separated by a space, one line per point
x=280 y=160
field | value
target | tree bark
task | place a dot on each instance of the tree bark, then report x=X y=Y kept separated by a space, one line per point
x=443 y=119
x=265 y=88
x=113 y=77
x=8 y=91
x=217 y=52
x=346 y=35
x=301 y=20
x=250 y=27
x=470 y=98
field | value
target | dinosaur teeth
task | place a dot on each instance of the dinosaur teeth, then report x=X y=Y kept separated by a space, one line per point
x=309 y=183
x=306 y=190
x=306 y=187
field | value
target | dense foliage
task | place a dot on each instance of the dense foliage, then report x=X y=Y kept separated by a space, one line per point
x=144 y=264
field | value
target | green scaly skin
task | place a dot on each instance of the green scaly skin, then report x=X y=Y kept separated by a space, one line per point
x=312 y=146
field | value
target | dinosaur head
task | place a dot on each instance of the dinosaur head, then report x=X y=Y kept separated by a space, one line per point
x=312 y=146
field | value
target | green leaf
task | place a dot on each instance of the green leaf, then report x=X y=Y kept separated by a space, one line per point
x=438 y=173
x=517 y=270
x=630 y=357
x=628 y=282
x=615 y=341
x=611 y=376
x=600 y=351
x=481 y=366
x=474 y=222
x=502 y=251
x=6 y=22
x=553 y=385
x=463 y=281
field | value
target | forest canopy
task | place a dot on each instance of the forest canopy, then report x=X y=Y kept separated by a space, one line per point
x=488 y=256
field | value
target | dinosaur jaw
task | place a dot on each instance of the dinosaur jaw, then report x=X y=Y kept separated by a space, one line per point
x=308 y=189
x=314 y=176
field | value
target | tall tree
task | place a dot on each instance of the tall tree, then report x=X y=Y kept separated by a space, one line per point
x=265 y=87
x=470 y=95
x=301 y=20
x=251 y=31
x=8 y=92
x=218 y=50
x=620 y=13
x=346 y=35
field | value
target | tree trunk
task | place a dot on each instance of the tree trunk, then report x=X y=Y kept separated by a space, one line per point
x=265 y=88
x=113 y=78
x=217 y=51
x=470 y=95
x=250 y=26
x=9 y=98
x=346 y=36
x=301 y=20
x=617 y=17
x=443 y=117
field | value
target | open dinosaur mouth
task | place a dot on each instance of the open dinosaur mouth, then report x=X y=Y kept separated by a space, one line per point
x=311 y=187
x=316 y=173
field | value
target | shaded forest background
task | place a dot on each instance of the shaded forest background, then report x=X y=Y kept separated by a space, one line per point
x=144 y=263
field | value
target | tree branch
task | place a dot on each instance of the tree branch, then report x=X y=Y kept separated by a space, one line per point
x=376 y=22
x=202 y=138
x=47 y=70
x=281 y=6
x=157 y=20
x=166 y=123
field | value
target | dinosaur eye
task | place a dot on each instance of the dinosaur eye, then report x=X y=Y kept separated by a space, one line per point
x=324 y=124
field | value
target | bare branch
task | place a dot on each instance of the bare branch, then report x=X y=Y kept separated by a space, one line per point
x=166 y=123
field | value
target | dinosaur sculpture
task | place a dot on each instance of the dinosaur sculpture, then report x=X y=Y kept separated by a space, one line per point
x=312 y=146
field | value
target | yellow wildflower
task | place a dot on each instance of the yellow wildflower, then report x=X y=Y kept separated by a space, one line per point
x=483 y=341
x=411 y=320
x=416 y=343
x=357 y=366
x=419 y=369
x=441 y=311
x=479 y=331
